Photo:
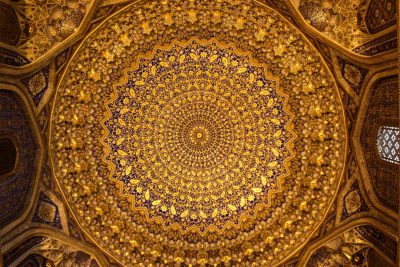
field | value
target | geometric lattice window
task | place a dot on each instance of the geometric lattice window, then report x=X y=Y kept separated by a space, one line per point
x=388 y=144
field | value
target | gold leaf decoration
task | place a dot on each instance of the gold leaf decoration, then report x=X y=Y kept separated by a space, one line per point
x=194 y=56
x=156 y=202
x=270 y=103
x=121 y=122
x=124 y=110
x=213 y=58
x=153 y=70
x=164 y=64
x=225 y=61
x=185 y=214
x=215 y=213
x=241 y=70
x=242 y=202
x=272 y=164
x=278 y=133
x=203 y=215
x=134 y=181
x=257 y=189
x=232 y=207
x=173 y=210
x=252 y=78
x=120 y=140
x=276 y=121
x=122 y=153
x=263 y=180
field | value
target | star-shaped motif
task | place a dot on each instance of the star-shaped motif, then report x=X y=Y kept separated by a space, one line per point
x=295 y=68
x=83 y=97
x=94 y=75
x=192 y=16
x=279 y=50
x=117 y=29
x=168 y=19
x=239 y=23
x=125 y=40
x=260 y=35
x=108 y=56
x=309 y=87
x=315 y=111
x=216 y=17
x=146 y=27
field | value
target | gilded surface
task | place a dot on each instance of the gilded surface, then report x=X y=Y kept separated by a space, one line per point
x=184 y=107
x=46 y=24
x=337 y=19
x=198 y=135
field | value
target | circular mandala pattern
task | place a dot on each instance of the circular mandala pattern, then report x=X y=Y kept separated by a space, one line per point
x=197 y=133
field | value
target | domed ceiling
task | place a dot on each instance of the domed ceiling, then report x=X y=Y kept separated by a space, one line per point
x=200 y=133
x=210 y=134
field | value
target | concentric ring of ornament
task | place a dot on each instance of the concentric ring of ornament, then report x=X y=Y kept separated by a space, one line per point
x=200 y=135
x=82 y=167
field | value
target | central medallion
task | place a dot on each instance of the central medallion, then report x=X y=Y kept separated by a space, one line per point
x=197 y=134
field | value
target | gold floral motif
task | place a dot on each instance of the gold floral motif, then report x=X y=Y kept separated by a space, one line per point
x=45 y=24
x=47 y=212
x=352 y=201
x=200 y=114
x=37 y=83
x=134 y=233
x=336 y=19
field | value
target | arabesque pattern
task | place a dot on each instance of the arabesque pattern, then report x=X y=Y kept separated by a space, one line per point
x=191 y=132
x=198 y=135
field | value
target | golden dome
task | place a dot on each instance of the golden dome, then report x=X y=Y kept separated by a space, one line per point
x=198 y=132
x=198 y=135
